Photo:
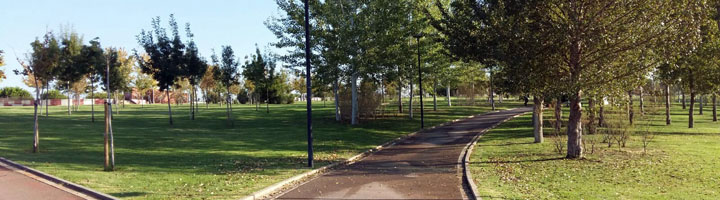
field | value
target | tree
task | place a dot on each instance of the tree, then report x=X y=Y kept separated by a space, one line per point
x=207 y=83
x=261 y=73
x=166 y=56
x=143 y=82
x=39 y=63
x=226 y=71
x=2 y=63
x=195 y=68
x=70 y=69
x=94 y=60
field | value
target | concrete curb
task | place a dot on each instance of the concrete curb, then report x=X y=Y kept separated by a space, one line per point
x=270 y=191
x=67 y=184
x=465 y=156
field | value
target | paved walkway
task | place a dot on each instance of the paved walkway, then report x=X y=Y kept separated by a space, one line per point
x=16 y=184
x=425 y=166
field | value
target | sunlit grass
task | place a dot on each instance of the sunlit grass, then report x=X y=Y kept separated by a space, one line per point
x=203 y=158
x=680 y=163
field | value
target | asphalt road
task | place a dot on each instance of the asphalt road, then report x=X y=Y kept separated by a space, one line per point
x=424 y=166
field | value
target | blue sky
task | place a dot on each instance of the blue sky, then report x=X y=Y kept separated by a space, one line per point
x=238 y=23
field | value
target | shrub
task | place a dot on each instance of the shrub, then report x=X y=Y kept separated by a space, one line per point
x=15 y=92
x=242 y=97
x=97 y=95
x=54 y=94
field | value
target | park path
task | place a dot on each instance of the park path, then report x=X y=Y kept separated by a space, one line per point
x=16 y=185
x=424 y=166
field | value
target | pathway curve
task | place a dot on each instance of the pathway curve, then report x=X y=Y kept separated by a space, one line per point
x=424 y=166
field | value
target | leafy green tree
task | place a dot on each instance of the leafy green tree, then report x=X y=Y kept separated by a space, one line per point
x=166 y=56
x=70 y=69
x=2 y=63
x=195 y=68
x=39 y=65
x=93 y=57
x=261 y=73
x=226 y=71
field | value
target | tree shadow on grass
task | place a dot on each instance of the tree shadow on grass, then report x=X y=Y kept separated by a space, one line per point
x=127 y=194
x=519 y=161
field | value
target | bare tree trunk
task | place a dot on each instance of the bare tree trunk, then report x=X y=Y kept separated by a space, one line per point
x=574 y=128
x=337 y=102
x=47 y=98
x=354 y=114
x=702 y=102
x=601 y=113
x=558 y=114
x=682 y=93
x=36 y=131
x=492 y=91
x=435 y=96
x=667 y=104
x=69 y=96
x=400 y=104
x=538 y=119
x=192 y=103
x=714 y=107
x=642 y=107
x=167 y=93
x=410 y=102
x=447 y=95
x=630 y=107
x=691 y=121
x=592 y=129
x=92 y=96
x=227 y=108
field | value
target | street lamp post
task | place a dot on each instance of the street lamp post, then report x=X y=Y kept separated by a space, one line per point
x=307 y=84
x=422 y=113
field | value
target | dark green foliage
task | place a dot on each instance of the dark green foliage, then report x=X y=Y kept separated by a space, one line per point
x=243 y=97
x=15 y=92
x=166 y=54
x=54 y=94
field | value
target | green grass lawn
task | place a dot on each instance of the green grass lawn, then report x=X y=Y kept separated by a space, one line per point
x=203 y=158
x=681 y=163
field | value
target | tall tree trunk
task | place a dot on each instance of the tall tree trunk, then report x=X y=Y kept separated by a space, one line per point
x=558 y=114
x=642 y=107
x=631 y=114
x=47 y=98
x=447 y=95
x=435 y=96
x=667 y=105
x=337 y=102
x=682 y=94
x=167 y=93
x=410 y=102
x=538 y=119
x=574 y=128
x=354 y=115
x=591 y=116
x=714 y=107
x=192 y=103
x=92 y=96
x=601 y=113
x=702 y=102
x=492 y=91
x=267 y=100
x=228 y=109
x=36 y=131
x=691 y=121
x=400 y=104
